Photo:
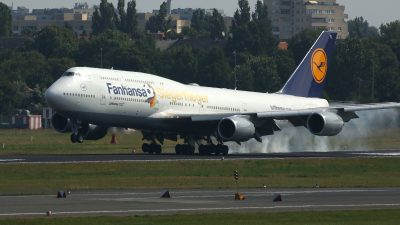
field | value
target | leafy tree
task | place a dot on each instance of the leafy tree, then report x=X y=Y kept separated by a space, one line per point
x=349 y=78
x=263 y=72
x=23 y=77
x=159 y=22
x=121 y=20
x=217 y=26
x=245 y=77
x=183 y=64
x=55 y=41
x=200 y=21
x=253 y=36
x=262 y=40
x=58 y=65
x=242 y=15
x=239 y=28
x=96 y=21
x=359 y=28
x=382 y=72
x=104 y=17
x=391 y=35
x=285 y=64
x=302 y=42
x=108 y=46
x=131 y=19
x=5 y=20
x=215 y=70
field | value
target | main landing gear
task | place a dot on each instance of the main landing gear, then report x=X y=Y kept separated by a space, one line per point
x=151 y=148
x=213 y=149
x=184 y=149
x=203 y=149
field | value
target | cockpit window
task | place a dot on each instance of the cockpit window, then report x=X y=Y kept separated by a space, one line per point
x=68 y=74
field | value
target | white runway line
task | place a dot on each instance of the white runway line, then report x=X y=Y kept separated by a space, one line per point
x=12 y=160
x=380 y=154
x=65 y=213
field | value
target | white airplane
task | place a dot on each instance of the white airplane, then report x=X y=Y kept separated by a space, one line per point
x=89 y=100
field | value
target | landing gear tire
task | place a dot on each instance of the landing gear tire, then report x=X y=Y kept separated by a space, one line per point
x=157 y=149
x=224 y=150
x=203 y=150
x=73 y=138
x=213 y=150
x=179 y=149
x=146 y=148
x=151 y=148
x=184 y=149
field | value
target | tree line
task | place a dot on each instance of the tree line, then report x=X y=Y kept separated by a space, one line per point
x=366 y=66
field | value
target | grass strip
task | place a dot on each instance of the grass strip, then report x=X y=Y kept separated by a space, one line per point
x=48 y=141
x=371 y=217
x=328 y=173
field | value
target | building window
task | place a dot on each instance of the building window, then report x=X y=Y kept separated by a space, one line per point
x=285 y=11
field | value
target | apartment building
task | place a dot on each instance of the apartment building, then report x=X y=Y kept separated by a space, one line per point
x=79 y=19
x=289 y=17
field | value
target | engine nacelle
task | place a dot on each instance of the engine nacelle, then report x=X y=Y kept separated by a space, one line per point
x=236 y=129
x=93 y=132
x=60 y=123
x=325 y=124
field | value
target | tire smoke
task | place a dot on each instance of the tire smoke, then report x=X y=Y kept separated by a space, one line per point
x=299 y=139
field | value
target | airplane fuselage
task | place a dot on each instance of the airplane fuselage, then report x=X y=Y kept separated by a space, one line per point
x=142 y=101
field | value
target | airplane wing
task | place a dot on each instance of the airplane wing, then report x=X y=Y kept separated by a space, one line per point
x=343 y=109
x=364 y=107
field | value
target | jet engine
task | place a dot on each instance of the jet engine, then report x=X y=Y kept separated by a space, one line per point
x=61 y=124
x=325 y=124
x=236 y=128
x=88 y=131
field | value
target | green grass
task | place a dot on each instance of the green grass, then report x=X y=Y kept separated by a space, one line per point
x=371 y=217
x=47 y=178
x=48 y=141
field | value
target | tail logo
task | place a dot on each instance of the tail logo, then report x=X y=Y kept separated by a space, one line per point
x=319 y=65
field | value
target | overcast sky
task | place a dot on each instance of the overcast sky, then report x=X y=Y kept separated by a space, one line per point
x=376 y=12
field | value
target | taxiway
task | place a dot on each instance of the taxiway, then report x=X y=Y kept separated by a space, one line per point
x=197 y=201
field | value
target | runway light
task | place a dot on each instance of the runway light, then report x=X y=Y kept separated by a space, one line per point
x=239 y=196
x=61 y=194
x=277 y=198
x=166 y=195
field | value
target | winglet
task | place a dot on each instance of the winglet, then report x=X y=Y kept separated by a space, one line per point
x=309 y=78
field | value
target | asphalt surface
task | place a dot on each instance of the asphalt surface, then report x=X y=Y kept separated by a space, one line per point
x=173 y=157
x=197 y=201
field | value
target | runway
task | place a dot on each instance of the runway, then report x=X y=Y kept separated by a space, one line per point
x=197 y=201
x=173 y=157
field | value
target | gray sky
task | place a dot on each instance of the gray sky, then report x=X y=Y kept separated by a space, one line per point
x=376 y=12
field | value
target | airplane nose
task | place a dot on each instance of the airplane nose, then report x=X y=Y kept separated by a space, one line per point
x=49 y=95
x=52 y=95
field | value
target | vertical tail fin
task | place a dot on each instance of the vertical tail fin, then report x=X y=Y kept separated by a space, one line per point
x=308 y=80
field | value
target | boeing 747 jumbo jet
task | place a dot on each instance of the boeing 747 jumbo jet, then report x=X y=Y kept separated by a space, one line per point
x=89 y=101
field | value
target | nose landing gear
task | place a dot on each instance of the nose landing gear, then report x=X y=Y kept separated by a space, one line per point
x=77 y=138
